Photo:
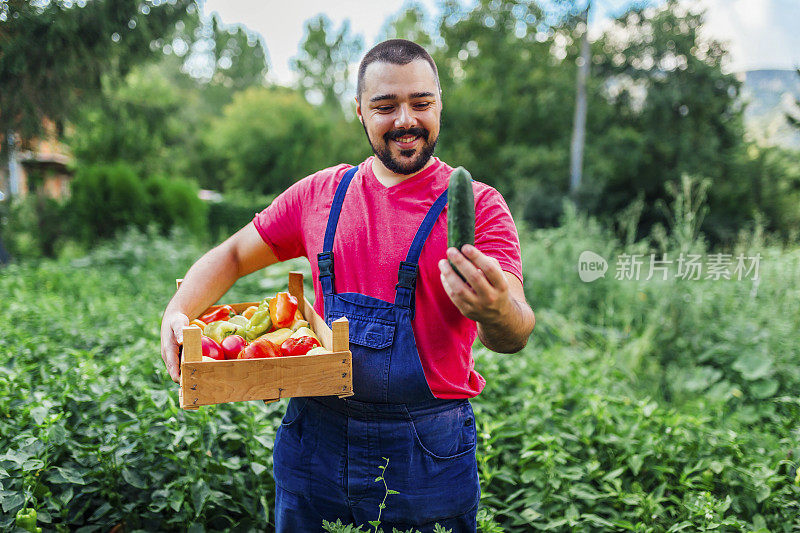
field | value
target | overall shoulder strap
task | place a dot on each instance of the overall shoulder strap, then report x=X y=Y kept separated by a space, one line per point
x=407 y=274
x=325 y=257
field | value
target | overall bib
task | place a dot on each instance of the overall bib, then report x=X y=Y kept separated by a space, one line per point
x=328 y=451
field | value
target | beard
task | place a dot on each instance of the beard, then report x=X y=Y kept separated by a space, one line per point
x=384 y=153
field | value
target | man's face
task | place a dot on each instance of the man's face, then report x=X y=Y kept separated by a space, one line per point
x=400 y=110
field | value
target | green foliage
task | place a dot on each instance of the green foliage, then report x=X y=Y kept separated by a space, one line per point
x=109 y=198
x=408 y=24
x=174 y=202
x=89 y=425
x=323 y=65
x=34 y=226
x=106 y=199
x=55 y=53
x=233 y=212
x=793 y=118
x=136 y=121
x=270 y=138
x=689 y=115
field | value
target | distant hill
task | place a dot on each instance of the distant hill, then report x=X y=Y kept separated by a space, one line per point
x=769 y=94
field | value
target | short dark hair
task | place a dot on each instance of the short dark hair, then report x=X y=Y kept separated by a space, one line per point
x=396 y=52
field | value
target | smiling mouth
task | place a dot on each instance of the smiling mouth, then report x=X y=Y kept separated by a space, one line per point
x=406 y=141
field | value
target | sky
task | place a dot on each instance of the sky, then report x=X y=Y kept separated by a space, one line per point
x=759 y=33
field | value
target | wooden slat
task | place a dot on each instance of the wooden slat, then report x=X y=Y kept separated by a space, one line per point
x=192 y=351
x=318 y=325
x=296 y=288
x=208 y=383
x=192 y=348
x=341 y=335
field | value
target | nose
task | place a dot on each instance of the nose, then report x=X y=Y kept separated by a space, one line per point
x=405 y=117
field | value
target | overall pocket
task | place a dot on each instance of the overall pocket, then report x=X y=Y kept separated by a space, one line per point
x=447 y=434
x=370 y=332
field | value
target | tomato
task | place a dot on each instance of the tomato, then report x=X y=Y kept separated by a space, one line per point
x=232 y=345
x=260 y=349
x=211 y=348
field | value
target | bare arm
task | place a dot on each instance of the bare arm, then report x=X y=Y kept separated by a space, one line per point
x=206 y=281
x=491 y=297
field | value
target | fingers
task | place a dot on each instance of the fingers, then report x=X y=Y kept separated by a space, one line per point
x=489 y=266
x=171 y=338
x=483 y=273
x=486 y=288
x=178 y=324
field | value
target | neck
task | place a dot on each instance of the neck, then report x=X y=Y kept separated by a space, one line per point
x=387 y=178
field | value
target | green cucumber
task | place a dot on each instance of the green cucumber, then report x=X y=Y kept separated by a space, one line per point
x=460 y=211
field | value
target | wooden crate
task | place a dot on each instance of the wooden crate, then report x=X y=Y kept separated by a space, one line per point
x=212 y=382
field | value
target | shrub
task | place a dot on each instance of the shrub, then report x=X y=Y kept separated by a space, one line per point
x=107 y=198
x=233 y=212
x=110 y=197
x=174 y=202
x=32 y=226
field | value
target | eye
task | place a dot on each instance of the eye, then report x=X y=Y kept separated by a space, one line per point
x=423 y=105
x=384 y=108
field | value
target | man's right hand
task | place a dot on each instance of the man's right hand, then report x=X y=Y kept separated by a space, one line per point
x=206 y=281
x=171 y=338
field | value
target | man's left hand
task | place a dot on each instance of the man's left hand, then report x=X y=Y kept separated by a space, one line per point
x=489 y=296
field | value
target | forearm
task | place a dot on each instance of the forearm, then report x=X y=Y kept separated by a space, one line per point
x=508 y=332
x=205 y=282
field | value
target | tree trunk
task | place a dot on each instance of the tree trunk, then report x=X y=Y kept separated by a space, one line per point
x=579 y=123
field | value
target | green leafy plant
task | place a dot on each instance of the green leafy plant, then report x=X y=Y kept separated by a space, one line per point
x=381 y=506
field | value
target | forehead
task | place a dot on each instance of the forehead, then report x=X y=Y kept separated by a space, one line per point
x=382 y=78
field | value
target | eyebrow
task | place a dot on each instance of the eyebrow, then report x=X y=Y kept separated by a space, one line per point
x=380 y=97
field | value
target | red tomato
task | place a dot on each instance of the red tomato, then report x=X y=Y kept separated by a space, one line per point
x=232 y=345
x=260 y=349
x=211 y=348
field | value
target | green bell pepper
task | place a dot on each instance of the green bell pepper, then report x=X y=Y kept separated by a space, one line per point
x=259 y=324
x=26 y=519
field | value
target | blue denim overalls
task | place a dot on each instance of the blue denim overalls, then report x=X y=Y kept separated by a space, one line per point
x=328 y=452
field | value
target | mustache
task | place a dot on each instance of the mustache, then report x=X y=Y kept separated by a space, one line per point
x=396 y=134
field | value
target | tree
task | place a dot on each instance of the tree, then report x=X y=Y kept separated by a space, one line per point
x=667 y=84
x=324 y=63
x=268 y=139
x=55 y=54
x=136 y=121
x=507 y=101
x=409 y=24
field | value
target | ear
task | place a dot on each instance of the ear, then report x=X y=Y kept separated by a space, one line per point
x=358 y=111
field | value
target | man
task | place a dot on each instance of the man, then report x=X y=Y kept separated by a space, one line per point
x=376 y=237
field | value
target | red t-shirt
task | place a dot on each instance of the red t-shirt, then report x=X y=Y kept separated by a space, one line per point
x=375 y=230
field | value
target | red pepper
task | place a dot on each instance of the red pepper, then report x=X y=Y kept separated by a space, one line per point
x=282 y=309
x=298 y=345
x=223 y=312
x=260 y=349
